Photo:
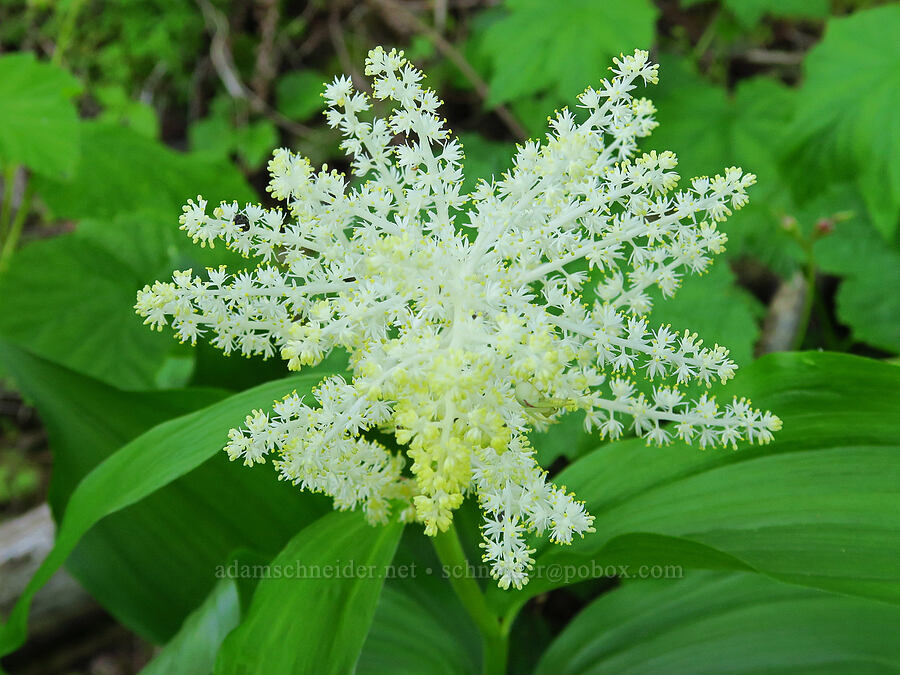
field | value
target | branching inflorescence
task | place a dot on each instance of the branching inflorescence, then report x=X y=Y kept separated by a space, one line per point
x=460 y=344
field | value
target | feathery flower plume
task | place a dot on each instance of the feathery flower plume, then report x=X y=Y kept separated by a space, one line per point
x=461 y=343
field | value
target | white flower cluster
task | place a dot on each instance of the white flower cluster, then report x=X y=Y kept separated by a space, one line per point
x=460 y=344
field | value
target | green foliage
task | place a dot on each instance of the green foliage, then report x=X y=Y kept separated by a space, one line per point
x=846 y=124
x=119 y=108
x=196 y=644
x=38 y=122
x=80 y=310
x=125 y=172
x=218 y=136
x=299 y=94
x=343 y=603
x=129 y=238
x=143 y=467
x=715 y=622
x=561 y=47
x=871 y=269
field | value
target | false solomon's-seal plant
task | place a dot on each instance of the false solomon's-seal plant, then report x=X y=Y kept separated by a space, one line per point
x=469 y=318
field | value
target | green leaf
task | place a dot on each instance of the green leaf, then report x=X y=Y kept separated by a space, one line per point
x=299 y=94
x=195 y=526
x=212 y=136
x=735 y=623
x=39 y=125
x=87 y=420
x=817 y=507
x=562 y=46
x=420 y=626
x=337 y=565
x=126 y=173
x=79 y=311
x=254 y=142
x=412 y=634
x=194 y=647
x=119 y=108
x=869 y=266
x=846 y=124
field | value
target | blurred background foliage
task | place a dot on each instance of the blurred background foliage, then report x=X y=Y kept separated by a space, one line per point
x=113 y=113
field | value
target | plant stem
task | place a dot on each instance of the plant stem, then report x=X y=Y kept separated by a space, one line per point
x=495 y=637
x=66 y=31
x=9 y=181
x=805 y=317
x=15 y=230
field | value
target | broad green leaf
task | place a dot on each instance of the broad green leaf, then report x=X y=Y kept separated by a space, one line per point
x=420 y=626
x=871 y=268
x=846 y=123
x=126 y=173
x=79 y=311
x=212 y=136
x=817 y=507
x=316 y=623
x=87 y=420
x=143 y=467
x=735 y=623
x=299 y=94
x=563 y=46
x=39 y=125
x=194 y=647
x=412 y=634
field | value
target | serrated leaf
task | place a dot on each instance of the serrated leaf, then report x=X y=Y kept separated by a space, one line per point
x=846 y=124
x=124 y=172
x=870 y=269
x=323 y=616
x=39 y=125
x=562 y=46
x=735 y=623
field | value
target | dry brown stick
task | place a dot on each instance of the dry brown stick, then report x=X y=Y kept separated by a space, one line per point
x=772 y=57
x=452 y=53
x=266 y=67
x=336 y=33
x=223 y=63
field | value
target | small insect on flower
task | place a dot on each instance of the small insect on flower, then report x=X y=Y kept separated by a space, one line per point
x=459 y=345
